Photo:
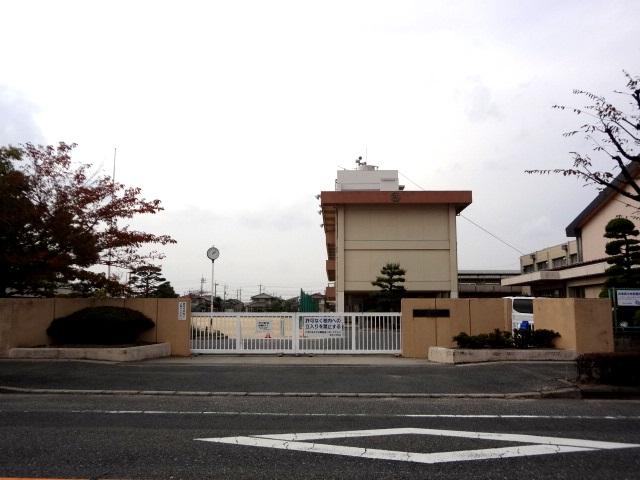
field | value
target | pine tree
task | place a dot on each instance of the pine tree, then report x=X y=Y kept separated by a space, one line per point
x=145 y=280
x=624 y=252
x=390 y=281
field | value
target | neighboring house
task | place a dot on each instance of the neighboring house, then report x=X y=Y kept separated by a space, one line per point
x=370 y=220
x=322 y=303
x=575 y=268
x=263 y=302
x=233 y=305
x=199 y=303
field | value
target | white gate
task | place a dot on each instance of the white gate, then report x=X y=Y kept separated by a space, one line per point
x=296 y=332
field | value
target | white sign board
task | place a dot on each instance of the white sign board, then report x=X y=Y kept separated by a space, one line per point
x=182 y=310
x=264 y=325
x=323 y=327
x=628 y=298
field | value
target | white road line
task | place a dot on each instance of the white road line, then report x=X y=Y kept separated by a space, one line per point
x=501 y=437
x=542 y=445
x=315 y=414
x=438 y=457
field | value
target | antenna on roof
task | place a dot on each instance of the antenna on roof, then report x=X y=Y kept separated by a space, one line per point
x=359 y=161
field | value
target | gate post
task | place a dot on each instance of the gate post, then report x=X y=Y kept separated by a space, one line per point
x=353 y=331
x=295 y=332
x=239 y=346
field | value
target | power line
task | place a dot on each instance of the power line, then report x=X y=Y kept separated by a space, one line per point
x=472 y=222
x=493 y=235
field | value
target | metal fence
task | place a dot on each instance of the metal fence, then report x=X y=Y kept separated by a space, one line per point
x=351 y=333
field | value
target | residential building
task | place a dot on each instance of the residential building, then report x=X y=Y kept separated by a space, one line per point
x=370 y=220
x=263 y=302
x=322 y=302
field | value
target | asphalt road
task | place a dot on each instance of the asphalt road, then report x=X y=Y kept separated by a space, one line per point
x=138 y=436
x=488 y=378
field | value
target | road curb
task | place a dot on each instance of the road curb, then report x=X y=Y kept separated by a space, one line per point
x=557 y=393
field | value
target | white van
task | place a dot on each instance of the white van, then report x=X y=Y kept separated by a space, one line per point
x=521 y=310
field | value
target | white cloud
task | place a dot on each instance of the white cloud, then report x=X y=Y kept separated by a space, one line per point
x=18 y=122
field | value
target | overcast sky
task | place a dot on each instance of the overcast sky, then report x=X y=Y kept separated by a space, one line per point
x=236 y=114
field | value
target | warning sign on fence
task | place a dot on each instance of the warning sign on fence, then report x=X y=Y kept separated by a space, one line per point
x=264 y=326
x=323 y=327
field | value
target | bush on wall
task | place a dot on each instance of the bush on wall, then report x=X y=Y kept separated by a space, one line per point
x=100 y=326
x=542 y=338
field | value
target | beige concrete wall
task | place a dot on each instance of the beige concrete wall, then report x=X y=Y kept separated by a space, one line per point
x=416 y=237
x=471 y=316
x=418 y=334
x=23 y=322
x=584 y=324
x=486 y=315
x=397 y=222
x=170 y=329
x=557 y=314
x=594 y=326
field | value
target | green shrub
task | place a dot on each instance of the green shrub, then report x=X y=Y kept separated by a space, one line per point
x=609 y=368
x=495 y=339
x=100 y=326
x=543 y=338
x=498 y=339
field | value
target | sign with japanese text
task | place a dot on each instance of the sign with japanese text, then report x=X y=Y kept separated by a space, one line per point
x=264 y=325
x=628 y=298
x=182 y=310
x=323 y=327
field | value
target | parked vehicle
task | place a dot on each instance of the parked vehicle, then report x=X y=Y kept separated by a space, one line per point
x=521 y=311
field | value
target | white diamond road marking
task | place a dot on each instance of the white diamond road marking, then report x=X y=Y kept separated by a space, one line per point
x=540 y=445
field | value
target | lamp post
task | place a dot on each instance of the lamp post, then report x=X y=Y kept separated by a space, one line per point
x=212 y=254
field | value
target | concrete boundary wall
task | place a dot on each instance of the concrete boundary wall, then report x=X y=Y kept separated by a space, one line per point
x=585 y=325
x=433 y=322
x=24 y=321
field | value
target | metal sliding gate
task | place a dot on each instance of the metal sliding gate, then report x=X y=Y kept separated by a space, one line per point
x=296 y=333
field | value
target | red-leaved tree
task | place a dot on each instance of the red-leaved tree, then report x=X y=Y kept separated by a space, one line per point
x=57 y=220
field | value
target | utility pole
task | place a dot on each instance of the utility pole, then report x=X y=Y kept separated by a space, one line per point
x=225 y=293
x=202 y=282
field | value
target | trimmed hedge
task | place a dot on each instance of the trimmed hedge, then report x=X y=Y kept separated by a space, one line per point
x=620 y=368
x=100 y=326
x=542 y=338
x=495 y=339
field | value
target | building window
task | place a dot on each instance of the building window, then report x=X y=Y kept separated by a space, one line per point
x=573 y=258
x=527 y=268
x=559 y=262
x=576 y=292
x=542 y=265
